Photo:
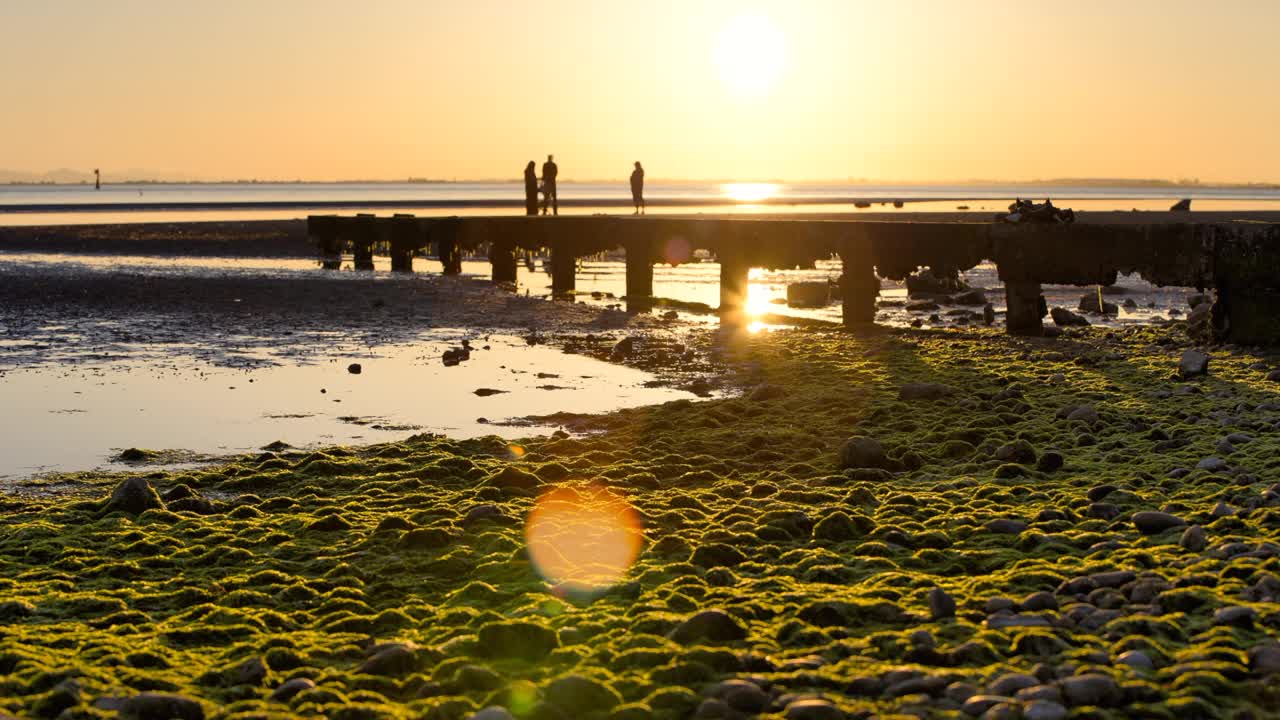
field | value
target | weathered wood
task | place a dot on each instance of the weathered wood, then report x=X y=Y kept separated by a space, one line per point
x=563 y=269
x=406 y=237
x=1025 y=308
x=502 y=258
x=734 y=285
x=859 y=286
x=639 y=257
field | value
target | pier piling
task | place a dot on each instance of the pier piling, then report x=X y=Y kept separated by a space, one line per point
x=1025 y=307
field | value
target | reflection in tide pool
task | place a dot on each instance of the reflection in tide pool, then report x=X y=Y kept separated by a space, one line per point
x=78 y=418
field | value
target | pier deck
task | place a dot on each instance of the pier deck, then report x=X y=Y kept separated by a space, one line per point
x=1236 y=254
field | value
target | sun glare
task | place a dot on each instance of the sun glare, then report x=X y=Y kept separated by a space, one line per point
x=749 y=192
x=750 y=53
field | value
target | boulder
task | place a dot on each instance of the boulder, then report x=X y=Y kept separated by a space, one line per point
x=976 y=296
x=708 y=627
x=133 y=496
x=161 y=706
x=809 y=294
x=1150 y=522
x=860 y=451
x=1091 y=303
x=1193 y=363
x=1063 y=317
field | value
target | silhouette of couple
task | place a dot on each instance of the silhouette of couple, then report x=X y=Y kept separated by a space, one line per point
x=548 y=188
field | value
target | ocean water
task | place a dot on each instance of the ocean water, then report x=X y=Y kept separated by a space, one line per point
x=63 y=204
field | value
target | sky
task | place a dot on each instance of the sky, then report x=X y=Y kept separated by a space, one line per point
x=910 y=90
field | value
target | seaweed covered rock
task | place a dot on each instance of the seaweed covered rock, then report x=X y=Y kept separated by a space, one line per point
x=518 y=639
x=1193 y=363
x=708 y=627
x=161 y=706
x=133 y=496
x=860 y=451
x=924 y=391
x=394 y=659
x=578 y=695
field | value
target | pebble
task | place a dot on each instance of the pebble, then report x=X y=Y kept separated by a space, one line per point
x=1212 y=464
x=941 y=605
x=1235 y=615
x=1043 y=710
x=979 y=704
x=1091 y=689
x=1265 y=659
x=1005 y=526
x=1137 y=660
x=716 y=626
x=494 y=712
x=1010 y=683
x=289 y=688
x=813 y=709
x=1193 y=539
x=1151 y=522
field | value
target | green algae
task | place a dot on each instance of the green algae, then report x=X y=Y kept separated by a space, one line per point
x=314 y=565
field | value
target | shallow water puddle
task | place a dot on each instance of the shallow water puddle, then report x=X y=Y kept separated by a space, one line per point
x=69 y=419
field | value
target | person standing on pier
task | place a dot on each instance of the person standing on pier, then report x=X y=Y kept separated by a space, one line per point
x=637 y=188
x=549 y=196
x=530 y=189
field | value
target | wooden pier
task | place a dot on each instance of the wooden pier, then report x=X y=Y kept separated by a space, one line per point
x=1237 y=254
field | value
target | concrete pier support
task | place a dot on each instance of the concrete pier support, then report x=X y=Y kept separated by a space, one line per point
x=859 y=286
x=363 y=236
x=323 y=230
x=563 y=270
x=1026 y=307
x=639 y=253
x=450 y=255
x=502 y=257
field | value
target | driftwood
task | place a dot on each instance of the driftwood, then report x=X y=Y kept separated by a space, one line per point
x=1025 y=211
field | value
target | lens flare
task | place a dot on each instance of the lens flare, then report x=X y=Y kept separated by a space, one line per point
x=676 y=250
x=749 y=192
x=582 y=540
x=515 y=452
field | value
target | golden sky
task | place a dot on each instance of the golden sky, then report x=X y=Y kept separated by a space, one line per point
x=912 y=90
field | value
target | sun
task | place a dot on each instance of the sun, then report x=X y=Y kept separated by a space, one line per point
x=751 y=54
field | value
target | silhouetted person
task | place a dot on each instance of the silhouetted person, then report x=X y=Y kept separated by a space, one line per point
x=549 y=197
x=637 y=188
x=530 y=189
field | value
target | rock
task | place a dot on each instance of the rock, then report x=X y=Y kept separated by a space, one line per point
x=486 y=392
x=809 y=294
x=1236 y=616
x=1038 y=601
x=742 y=695
x=923 y=306
x=1050 y=461
x=976 y=705
x=1043 y=710
x=525 y=640
x=1018 y=451
x=482 y=512
x=355 y=368
x=1213 y=464
x=997 y=622
x=765 y=391
x=926 y=282
x=1224 y=447
x=988 y=314
x=862 y=452
x=1006 y=526
x=1010 y=683
x=1137 y=660
x=578 y=695
x=1274 y=376
x=623 y=348
x=1183 y=205
x=1193 y=539
x=836 y=527
x=924 y=391
x=396 y=659
x=1091 y=689
x=1193 y=363
x=133 y=496
x=1081 y=413
x=161 y=706
x=1265 y=659
x=708 y=626
x=712 y=555
x=289 y=688
x=250 y=672
x=941 y=605
x=813 y=709
x=976 y=296
x=1065 y=318
x=1151 y=522
x=1091 y=303
x=493 y=712
x=453 y=356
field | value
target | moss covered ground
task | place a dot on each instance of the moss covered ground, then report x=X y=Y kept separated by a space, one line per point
x=952 y=569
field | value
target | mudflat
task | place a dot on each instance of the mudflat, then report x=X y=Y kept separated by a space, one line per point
x=1046 y=525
